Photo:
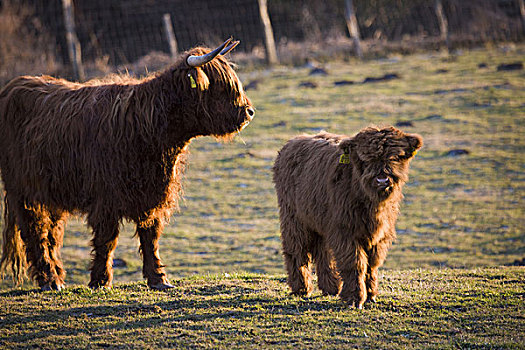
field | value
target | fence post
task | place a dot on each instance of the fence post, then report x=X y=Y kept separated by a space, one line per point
x=353 y=28
x=443 y=23
x=168 y=28
x=522 y=12
x=269 y=41
x=74 y=50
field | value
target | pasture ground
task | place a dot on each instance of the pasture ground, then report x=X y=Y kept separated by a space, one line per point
x=427 y=309
x=443 y=284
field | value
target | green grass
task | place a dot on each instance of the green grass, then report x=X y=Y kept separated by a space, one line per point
x=430 y=309
x=442 y=285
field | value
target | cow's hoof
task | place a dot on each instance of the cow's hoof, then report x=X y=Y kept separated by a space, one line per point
x=52 y=286
x=161 y=286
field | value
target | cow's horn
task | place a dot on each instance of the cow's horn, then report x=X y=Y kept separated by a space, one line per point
x=230 y=47
x=197 y=61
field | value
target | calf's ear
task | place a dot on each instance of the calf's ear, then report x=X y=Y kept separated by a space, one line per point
x=346 y=144
x=414 y=143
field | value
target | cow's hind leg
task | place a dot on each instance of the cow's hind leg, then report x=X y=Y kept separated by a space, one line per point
x=149 y=233
x=328 y=278
x=42 y=234
x=105 y=231
x=56 y=238
x=296 y=242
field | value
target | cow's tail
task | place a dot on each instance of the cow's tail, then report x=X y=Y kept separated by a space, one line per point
x=13 y=248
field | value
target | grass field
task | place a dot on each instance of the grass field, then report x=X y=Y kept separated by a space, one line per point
x=430 y=309
x=443 y=284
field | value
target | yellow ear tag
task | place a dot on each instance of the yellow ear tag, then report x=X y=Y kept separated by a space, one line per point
x=345 y=158
x=192 y=81
x=414 y=153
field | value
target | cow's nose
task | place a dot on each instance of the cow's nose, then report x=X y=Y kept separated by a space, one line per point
x=250 y=111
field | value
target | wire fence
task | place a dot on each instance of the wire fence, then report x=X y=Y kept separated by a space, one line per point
x=127 y=30
x=122 y=31
x=392 y=20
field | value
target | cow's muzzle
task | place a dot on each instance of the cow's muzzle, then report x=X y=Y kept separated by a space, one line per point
x=383 y=183
x=246 y=117
x=250 y=112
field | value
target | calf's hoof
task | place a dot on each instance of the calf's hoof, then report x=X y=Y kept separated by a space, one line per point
x=356 y=304
x=332 y=291
x=303 y=293
x=99 y=284
x=300 y=294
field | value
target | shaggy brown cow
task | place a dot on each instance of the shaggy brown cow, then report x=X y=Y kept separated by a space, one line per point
x=339 y=200
x=111 y=149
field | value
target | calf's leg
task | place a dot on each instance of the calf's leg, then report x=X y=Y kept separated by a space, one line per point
x=149 y=233
x=296 y=242
x=352 y=266
x=327 y=276
x=376 y=257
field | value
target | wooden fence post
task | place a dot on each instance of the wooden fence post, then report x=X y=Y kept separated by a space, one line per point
x=353 y=28
x=74 y=50
x=443 y=23
x=170 y=35
x=269 y=41
x=522 y=12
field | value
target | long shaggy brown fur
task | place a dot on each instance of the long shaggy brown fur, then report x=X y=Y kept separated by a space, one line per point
x=339 y=200
x=112 y=149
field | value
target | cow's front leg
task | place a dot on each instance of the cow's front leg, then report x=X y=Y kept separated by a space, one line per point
x=149 y=232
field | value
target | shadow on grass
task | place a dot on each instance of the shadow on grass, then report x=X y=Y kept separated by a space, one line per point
x=196 y=308
x=19 y=292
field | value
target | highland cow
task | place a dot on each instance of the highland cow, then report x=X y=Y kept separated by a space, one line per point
x=339 y=199
x=111 y=149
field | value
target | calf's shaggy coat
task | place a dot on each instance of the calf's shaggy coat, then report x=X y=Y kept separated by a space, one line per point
x=339 y=200
x=112 y=149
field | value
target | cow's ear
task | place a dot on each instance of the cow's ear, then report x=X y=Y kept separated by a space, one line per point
x=414 y=143
x=197 y=79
